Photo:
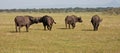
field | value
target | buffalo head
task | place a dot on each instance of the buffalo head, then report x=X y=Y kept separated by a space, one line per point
x=79 y=19
x=33 y=20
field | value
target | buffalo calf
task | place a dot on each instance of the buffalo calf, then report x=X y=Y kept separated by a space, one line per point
x=95 y=20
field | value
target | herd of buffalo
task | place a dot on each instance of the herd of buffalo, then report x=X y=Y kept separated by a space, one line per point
x=48 y=21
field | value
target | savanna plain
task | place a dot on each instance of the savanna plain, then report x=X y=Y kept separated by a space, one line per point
x=82 y=39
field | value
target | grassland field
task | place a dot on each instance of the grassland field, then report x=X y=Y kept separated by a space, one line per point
x=82 y=39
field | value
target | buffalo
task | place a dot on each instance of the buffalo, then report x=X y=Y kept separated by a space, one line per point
x=26 y=21
x=47 y=21
x=71 y=20
x=95 y=20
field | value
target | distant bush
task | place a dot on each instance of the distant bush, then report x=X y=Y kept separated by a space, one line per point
x=111 y=11
x=108 y=10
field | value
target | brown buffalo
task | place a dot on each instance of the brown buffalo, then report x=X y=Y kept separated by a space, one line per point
x=26 y=21
x=95 y=20
x=71 y=20
x=47 y=21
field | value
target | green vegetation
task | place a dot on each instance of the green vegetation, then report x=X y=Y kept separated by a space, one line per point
x=79 y=40
x=107 y=10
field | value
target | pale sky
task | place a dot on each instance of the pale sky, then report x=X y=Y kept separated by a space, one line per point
x=10 y=4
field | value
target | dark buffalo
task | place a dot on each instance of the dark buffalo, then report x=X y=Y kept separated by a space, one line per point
x=95 y=22
x=71 y=20
x=26 y=21
x=47 y=21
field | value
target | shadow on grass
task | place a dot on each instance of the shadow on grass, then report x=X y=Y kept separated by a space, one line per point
x=17 y=32
x=87 y=29
x=12 y=31
x=41 y=29
x=62 y=28
x=38 y=29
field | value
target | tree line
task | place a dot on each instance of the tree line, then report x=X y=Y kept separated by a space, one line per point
x=110 y=10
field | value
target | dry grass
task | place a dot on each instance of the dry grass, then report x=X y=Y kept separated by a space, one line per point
x=79 y=40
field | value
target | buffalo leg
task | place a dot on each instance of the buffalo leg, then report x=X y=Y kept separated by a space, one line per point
x=97 y=26
x=66 y=26
x=69 y=26
x=44 y=26
x=19 y=28
x=27 y=28
x=16 y=28
x=48 y=27
x=73 y=26
x=94 y=26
